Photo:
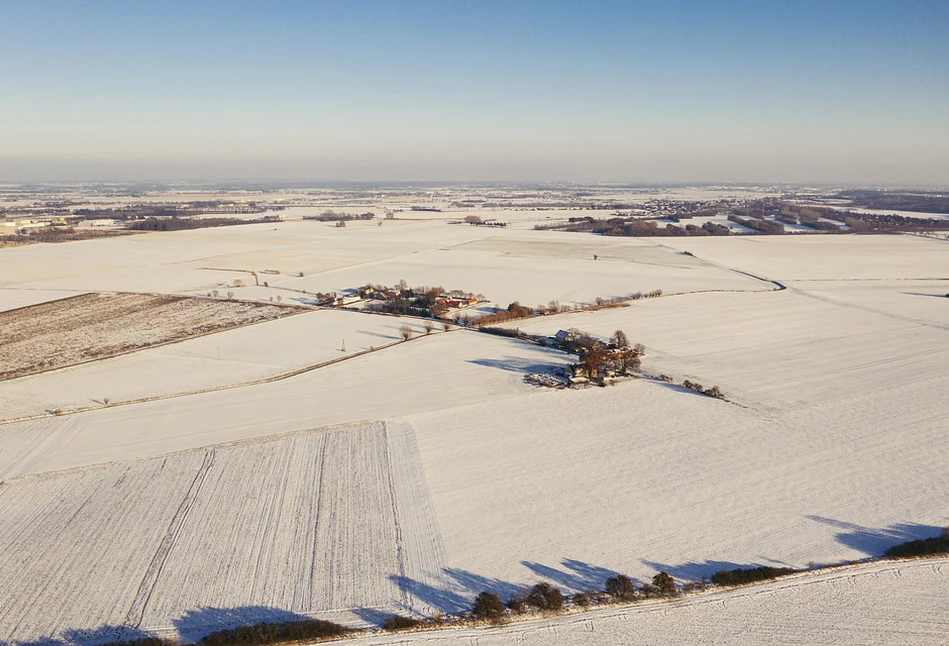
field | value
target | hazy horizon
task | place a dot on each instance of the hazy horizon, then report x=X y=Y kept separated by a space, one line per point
x=851 y=93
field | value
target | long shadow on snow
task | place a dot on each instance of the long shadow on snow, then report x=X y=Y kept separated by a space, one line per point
x=195 y=624
x=875 y=542
x=458 y=591
x=576 y=576
x=86 y=637
x=514 y=364
x=462 y=586
x=696 y=570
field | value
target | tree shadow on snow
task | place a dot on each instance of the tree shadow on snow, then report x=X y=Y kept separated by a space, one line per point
x=923 y=294
x=458 y=590
x=195 y=624
x=696 y=570
x=87 y=637
x=874 y=542
x=388 y=337
x=576 y=576
x=514 y=364
x=373 y=616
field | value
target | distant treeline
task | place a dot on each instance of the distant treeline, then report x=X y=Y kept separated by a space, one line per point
x=339 y=216
x=178 y=224
x=764 y=217
x=920 y=202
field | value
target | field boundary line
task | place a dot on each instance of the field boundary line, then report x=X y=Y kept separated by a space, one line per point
x=300 y=309
x=220 y=446
x=200 y=391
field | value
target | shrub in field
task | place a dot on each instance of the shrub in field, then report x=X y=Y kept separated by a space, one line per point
x=741 y=576
x=518 y=602
x=399 y=622
x=664 y=584
x=487 y=605
x=582 y=599
x=620 y=587
x=268 y=633
x=545 y=597
x=649 y=591
x=695 y=586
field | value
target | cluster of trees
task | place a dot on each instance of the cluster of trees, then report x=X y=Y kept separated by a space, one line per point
x=179 y=224
x=271 y=633
x=339 y=216
x=57 y=234
x=922 y=547
x=514 y=311
x=617 y=358
x=419 y=301
x=767 y=227
x=545 y=597
x=889 y=223
x=741 y=576
x=918 y=201
x=636 y=227
x=714 y=391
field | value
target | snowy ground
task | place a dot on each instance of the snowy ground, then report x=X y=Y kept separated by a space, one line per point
x=228 y=358
x=311 y=524
x=832 y=448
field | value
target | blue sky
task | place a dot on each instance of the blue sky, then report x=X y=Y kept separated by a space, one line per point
x=594 y=91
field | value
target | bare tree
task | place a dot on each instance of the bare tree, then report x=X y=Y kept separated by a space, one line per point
x=619 y=339
x=429 y=326
x=406 y=332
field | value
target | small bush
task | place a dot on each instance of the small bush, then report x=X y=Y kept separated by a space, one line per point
x=620 y=587
x=487 y=605
x=546 y=597
x=741 y=576
x=518 y=602
x=649 y=591
x=582 y=599
x=664 y=584
x=399 y=622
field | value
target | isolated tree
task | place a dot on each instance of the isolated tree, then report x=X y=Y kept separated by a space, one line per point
x=406 y=332
x=630 y=358
x=619 y=339
x=545 y=597
x=593 y=362
x=429 y=326
x=487 y=605
x=664 y=583
x=620 y=587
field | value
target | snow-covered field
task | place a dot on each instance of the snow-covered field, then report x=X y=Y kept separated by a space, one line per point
x=310 y=524
x=440 y=371
x=11 y=299
x=831 y=448
x=240 y=355
x=66 y=332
